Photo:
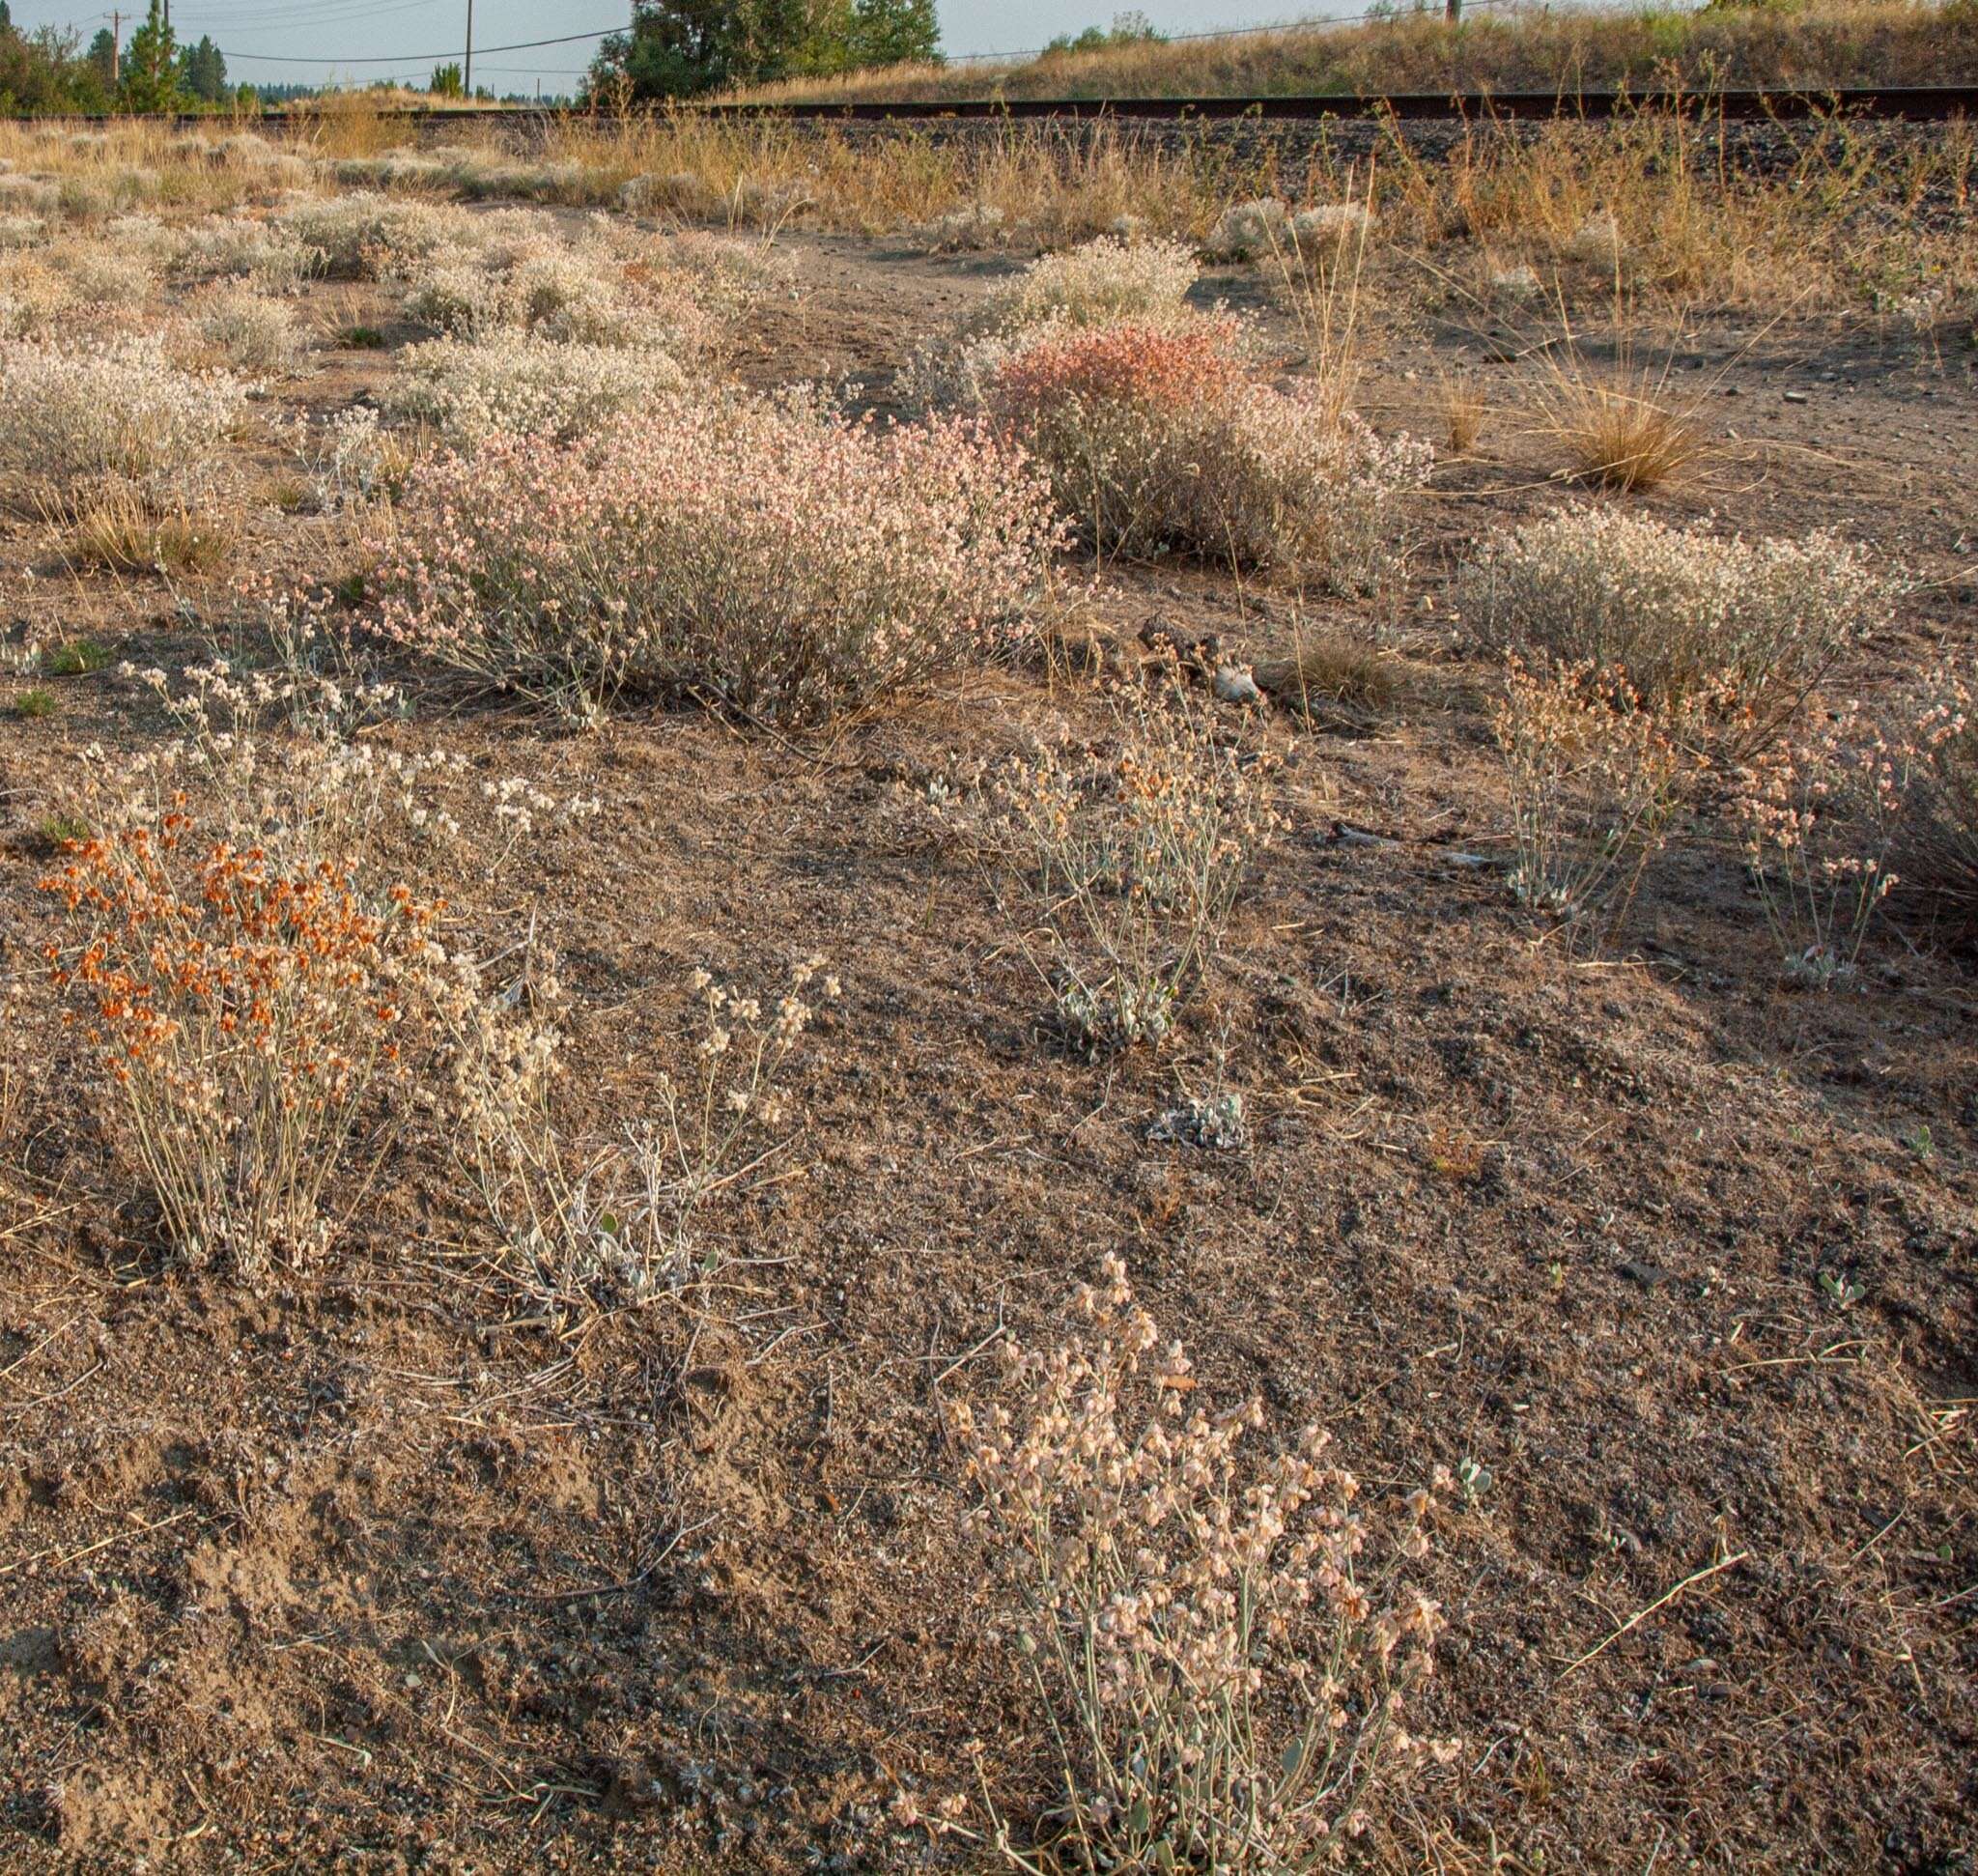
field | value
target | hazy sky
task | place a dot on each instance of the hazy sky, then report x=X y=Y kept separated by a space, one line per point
x=373 y=38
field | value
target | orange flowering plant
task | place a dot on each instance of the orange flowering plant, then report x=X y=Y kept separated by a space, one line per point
x=245 y=1009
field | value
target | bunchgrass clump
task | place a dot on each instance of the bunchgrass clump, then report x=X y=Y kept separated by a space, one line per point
x=762 y=555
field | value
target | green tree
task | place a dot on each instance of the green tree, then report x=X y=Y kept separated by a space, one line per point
x=894 y=32
x=446 y=81
x=203 y=72
x=682 y=47
x=151 y=66
x=101 y=58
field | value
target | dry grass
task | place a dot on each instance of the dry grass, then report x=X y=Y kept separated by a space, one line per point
x=1463 y=411
x=120 y=529
x=1621 y=428
x=1884 y=42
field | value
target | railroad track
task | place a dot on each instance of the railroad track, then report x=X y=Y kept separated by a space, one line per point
x=1911 y=103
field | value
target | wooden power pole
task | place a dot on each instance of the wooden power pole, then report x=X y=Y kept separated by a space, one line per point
x=467 y=77
x=116 y=46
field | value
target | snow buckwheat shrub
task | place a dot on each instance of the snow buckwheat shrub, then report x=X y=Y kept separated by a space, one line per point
x=1595 y=777
x=1825 y=813
x=1938 y=849
x=1221 y=1648
x=1134 y=865
x=120 y=408
x=1095 y=284
x=1159 y=437
x=367 y=236
x=248 y=330
x=255 y=979
x=623 y=1224
x=760 y=553
x=245 y=1012
x=1686 y=613
x=512 y=382
x=267 y=255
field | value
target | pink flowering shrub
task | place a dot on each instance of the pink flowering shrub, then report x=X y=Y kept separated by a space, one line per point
x=758 y=552
x=1825 y=815
x=1219 y=1647
x=1160 y=437
x=1937 y=843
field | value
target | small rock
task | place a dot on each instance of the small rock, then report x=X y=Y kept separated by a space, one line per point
x=1234 y=684
x=1797 y=397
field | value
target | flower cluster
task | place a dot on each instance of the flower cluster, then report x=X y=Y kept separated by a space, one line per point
x=1688 y=614
x=621 y=1223
x=760 y=553
x=1826 y=811
x=1135 y=864
x=512 y=383
x=1221 y=1649
x=1161 y=437
x=244 y=1008
x=1595 y=777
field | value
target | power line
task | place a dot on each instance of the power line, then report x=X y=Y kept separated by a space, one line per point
x=956 y=58
x=419 y=58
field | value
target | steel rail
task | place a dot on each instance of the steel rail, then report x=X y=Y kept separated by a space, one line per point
x=1911 y=103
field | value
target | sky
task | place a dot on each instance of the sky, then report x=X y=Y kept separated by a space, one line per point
x=357 y=40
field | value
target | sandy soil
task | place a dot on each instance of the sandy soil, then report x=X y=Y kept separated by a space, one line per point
x=348 y=1574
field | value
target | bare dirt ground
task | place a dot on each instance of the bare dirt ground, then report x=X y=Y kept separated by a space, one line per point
x=349 y=1574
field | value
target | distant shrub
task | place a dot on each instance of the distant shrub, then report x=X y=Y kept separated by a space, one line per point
x=1102 y=281
x=762 y=552
x=248 y=331
x=512 y=382
x=1160 y=437
x=373 y=236
x=1686 y=613
x=115 y=410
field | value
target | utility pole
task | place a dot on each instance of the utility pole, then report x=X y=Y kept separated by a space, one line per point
x=1452 y=10
x=116 y=46
x=467 y=80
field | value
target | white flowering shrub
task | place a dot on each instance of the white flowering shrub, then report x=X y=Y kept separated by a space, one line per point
x=584 y=295
x=269 y=255
x=1249 y=230
x=512 y=382
x=1159 y=437
x=1132 y=865
x=625 y=1223
x=1219 y=1647
x=247 y=331
x=1936 y=852
x=758 y=552
x=357 y=459
x=375 y=236
x=120 y=410
x=1095 y=284
x=22 y=231
x=1682 y=611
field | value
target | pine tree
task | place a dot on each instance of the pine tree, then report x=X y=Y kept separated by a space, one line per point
x=151 y=66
